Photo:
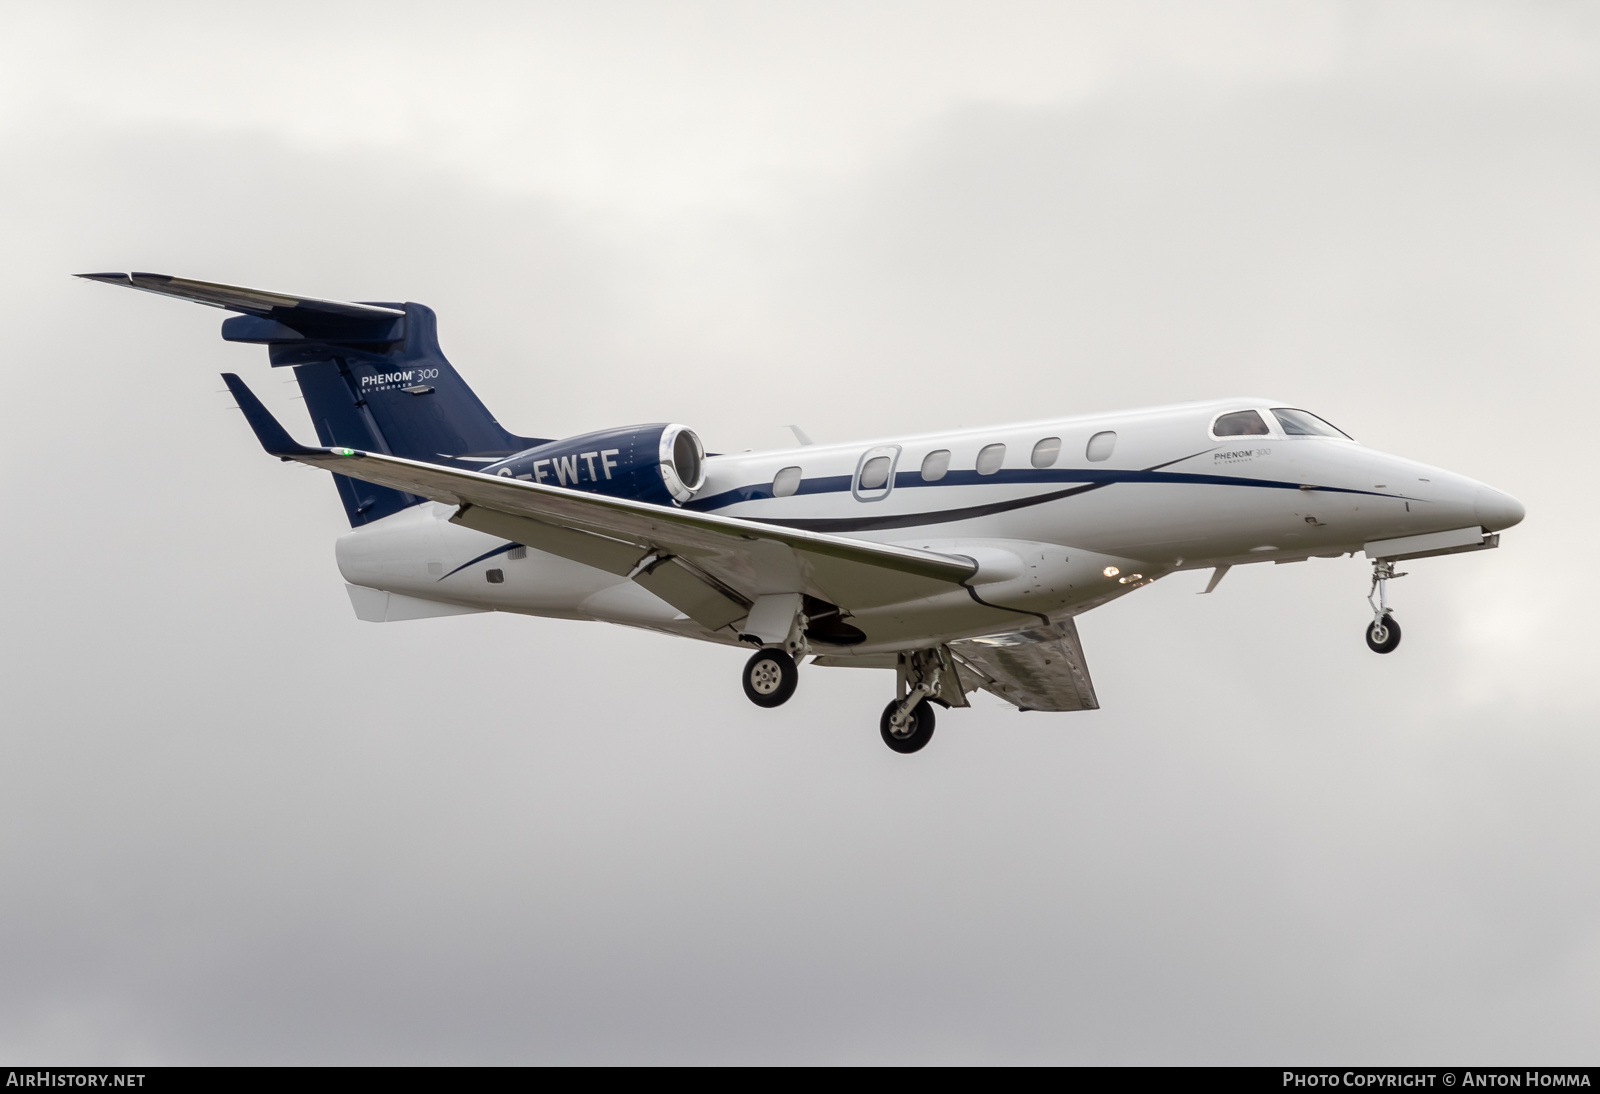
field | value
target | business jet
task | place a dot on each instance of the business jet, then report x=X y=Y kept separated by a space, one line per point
x=956 y=559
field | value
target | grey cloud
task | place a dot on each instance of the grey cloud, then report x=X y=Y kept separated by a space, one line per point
x=238 y=825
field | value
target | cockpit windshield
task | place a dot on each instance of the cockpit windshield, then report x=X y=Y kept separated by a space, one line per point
x=1301 y=423
x=1241 y=423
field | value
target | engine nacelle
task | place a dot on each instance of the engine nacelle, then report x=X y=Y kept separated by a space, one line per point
x=663 y=464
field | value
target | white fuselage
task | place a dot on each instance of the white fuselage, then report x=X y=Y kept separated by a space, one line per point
x=1163 y=494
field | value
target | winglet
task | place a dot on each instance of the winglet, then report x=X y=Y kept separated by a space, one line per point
x=273 y=437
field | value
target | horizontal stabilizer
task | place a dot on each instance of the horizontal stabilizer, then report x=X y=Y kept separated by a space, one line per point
x=236 y=298
x=274 y=317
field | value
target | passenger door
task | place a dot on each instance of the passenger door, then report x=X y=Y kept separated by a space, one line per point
x=874 y=478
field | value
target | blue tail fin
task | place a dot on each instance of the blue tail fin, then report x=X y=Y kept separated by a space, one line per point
x=400 y=397
x=372 y=374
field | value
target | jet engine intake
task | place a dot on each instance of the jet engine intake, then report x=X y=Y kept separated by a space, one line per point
x=663 y=464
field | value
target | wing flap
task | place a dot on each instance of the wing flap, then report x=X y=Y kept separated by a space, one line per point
x=1038 y=669
x=692 y=594
x=610 y=555
x=702 y=599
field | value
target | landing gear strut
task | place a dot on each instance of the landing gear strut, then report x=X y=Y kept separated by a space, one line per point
x=1383 y=633
x=922 y=678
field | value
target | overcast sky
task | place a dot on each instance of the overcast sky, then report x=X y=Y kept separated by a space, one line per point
x=238 y=825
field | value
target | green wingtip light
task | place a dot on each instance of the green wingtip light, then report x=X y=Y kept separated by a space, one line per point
x=344 y=452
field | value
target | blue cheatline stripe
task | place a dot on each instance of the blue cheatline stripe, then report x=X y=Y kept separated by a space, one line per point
x=821 y=484
x=1091 y=478
x=839 y=484
x=500 y=550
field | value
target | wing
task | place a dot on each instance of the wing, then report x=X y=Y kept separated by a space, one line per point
x=709 y=567
x=1038 y=669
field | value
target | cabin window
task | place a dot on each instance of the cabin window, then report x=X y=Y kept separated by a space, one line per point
x=1300 y=423
x=1046 y=451
x=935 y=464
x=990 y=458
x=786 y=482
x=1241 y=423
x=874 y=473
x=1100 y=446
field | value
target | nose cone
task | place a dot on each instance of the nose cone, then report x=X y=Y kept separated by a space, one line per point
x=1496 y=510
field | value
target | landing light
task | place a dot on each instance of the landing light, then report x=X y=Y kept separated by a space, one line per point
x=1111 y=571
x=1130 y=577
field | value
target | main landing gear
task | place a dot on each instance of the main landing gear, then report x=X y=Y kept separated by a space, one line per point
x=906 y=730
x=1383 y=633
x=770 y=678
x=923 y=679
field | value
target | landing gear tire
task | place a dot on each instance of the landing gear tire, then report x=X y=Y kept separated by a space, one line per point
x=770 y=677
x=917 y=731
x=1383 y=637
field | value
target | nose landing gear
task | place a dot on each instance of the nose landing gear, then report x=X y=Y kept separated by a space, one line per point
x=1383 y=633
x=1383 y=637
